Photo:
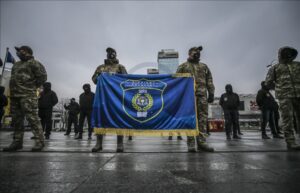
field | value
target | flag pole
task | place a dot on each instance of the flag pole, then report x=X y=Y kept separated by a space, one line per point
x=3 y=67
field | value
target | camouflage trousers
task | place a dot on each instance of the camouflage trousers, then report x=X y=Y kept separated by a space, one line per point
x=287 y=108
x=21 y=107
x=202 y=114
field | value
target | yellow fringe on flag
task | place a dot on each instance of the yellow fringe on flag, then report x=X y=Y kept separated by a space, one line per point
x=155 y=133
x=178 y=75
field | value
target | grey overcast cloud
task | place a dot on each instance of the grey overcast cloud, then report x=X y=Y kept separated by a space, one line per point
x=240 y=38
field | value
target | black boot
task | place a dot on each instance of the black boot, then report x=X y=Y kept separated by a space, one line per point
x=120 y=146
x=14 y=146
x=191 y=144
x=39 y=145
x=130 y=138
x=228 y=137
x=179 y=137
x=293 y=146
x=90 y=136
x=98 y=146
x=264 y=136
x=78 y=136
x=278 y=136
x=203 y=146
x=236 y=137
x=170 y=138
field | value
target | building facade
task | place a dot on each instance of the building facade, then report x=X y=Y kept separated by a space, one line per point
x=167 y=61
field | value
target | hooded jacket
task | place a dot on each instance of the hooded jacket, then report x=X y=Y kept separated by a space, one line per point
x=285 y=75
x=230 y=101
x=86 y=101
x=265 y=100
x=48 y=98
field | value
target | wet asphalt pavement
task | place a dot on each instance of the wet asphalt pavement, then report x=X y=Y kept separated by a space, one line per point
x=150 y=165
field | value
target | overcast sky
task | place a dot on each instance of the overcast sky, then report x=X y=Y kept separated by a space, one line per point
x=70 y=37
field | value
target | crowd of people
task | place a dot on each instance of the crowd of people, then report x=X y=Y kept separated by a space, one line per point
x=29 y=74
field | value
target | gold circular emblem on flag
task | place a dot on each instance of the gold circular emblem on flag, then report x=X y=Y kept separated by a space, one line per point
x=142 y=102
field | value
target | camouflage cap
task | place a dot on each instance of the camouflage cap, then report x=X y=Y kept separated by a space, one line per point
x=288 y=53
x=200 y=48
x=25 y=48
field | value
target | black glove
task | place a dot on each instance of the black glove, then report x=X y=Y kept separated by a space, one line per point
x=210 y=98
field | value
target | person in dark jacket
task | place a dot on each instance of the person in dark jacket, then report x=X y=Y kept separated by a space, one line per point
x=86 y=100
x=266 y=101
x=47 y=101
x=73 y=109
x=230 y=102
x=3 y=103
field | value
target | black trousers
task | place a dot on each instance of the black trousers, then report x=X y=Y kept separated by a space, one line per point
x=268 y=116
x=46 y=120
x=85 y=114
x=231 y=122
x=276 y=120
x=72 y=119
x=1 y=116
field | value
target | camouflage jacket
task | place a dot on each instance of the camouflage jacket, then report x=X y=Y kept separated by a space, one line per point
x=109 y=66
x=26 y=77
x=202 y=76
x=286 y=78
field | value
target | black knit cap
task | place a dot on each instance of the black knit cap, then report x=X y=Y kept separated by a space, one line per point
x=110 y=50
x=86 y=86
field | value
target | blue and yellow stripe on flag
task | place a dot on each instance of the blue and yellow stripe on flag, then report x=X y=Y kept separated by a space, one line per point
x=149 y=105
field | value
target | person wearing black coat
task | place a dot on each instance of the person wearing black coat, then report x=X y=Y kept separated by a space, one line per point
x=3 y=103
x=73 y=109
x=48 y=99
x=86 y=100
x=267 y=105
x=230 y=102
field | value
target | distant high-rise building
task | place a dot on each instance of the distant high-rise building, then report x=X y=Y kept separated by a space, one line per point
x=167 y=61
x=152 y=71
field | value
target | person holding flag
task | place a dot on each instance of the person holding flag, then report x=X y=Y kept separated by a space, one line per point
x=204 y=86
x=111 y=64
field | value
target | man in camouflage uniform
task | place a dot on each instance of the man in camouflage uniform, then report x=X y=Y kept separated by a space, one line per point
x=111 y=64
x=285 y=76
x=27 y=76
x=204 y=86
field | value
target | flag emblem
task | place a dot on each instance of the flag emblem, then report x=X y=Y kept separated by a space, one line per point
x=143 y=99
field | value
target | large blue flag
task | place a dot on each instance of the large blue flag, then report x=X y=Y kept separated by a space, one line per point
x=156 y=105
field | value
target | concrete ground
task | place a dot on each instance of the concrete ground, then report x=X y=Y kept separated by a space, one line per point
x=150 y=165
